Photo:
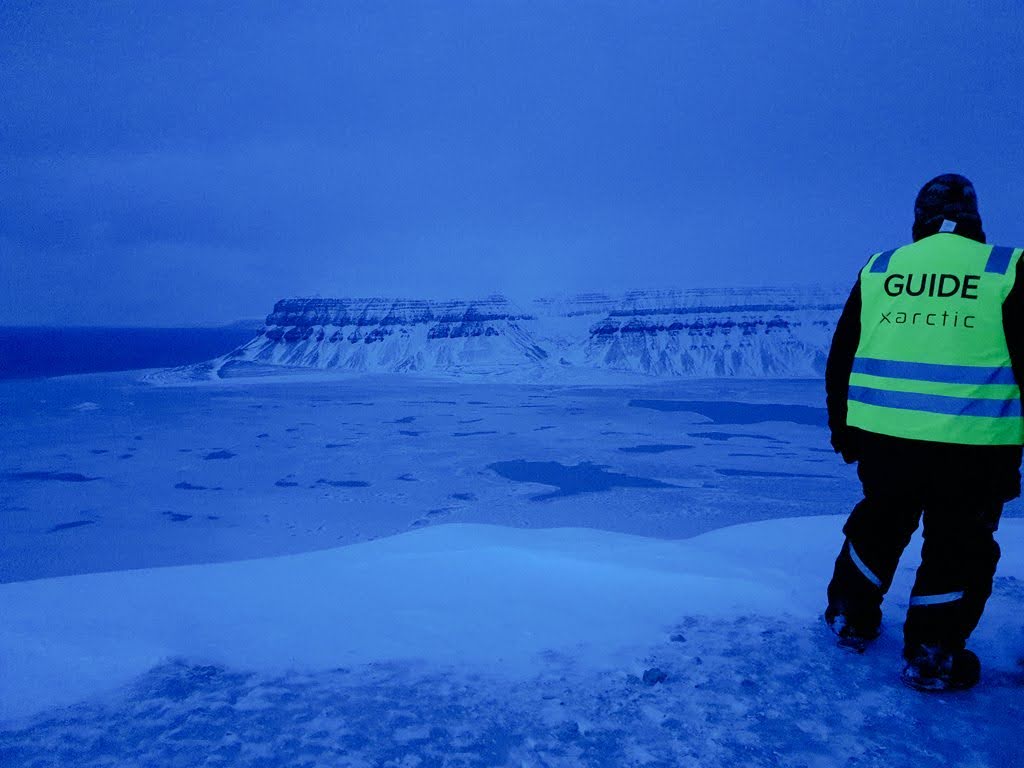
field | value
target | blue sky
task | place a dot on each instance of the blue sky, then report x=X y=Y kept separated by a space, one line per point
x=177 y=163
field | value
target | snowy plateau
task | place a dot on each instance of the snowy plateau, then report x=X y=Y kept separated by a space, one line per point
x=770 y=332
x=292 y=556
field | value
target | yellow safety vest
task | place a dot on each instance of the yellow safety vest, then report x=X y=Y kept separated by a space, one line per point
x=932 y=362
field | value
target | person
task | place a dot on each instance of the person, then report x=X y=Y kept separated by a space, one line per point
x=923 y=392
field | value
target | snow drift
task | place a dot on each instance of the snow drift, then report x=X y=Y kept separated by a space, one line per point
x=480 y=645
x=484 y=597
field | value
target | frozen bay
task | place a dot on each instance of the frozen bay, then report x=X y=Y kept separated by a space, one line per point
x=101 y=472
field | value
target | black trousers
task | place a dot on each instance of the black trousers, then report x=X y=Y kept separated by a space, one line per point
x=959 y=491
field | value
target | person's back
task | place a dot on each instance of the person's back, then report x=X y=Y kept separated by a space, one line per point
x=922 y=385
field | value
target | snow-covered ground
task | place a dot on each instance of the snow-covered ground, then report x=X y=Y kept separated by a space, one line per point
x=321 y=570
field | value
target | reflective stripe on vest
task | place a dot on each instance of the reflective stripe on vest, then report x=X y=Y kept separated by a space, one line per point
x=932 y=362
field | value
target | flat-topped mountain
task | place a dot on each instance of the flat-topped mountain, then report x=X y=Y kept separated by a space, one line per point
x=773 y=332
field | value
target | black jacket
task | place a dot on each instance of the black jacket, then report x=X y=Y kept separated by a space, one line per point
x=1004 y=461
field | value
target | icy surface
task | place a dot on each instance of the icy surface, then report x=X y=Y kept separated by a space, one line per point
x=540 y=576
x=241 y=468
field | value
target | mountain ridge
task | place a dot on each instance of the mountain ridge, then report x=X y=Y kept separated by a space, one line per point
x=724 y=332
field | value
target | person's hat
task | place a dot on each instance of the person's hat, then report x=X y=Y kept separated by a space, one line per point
x=947 y=203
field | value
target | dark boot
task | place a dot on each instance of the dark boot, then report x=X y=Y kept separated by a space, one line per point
x=933 y=669
x=854 y=633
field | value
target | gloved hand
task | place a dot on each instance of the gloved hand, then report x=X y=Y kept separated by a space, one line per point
x=845 y=444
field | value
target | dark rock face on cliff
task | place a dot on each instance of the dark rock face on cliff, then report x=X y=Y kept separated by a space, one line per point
x=388 y=312
x=695 y=333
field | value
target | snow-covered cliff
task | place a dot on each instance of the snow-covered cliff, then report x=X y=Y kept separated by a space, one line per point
x=767 y=332
x=773 y=332
x=394 y=335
